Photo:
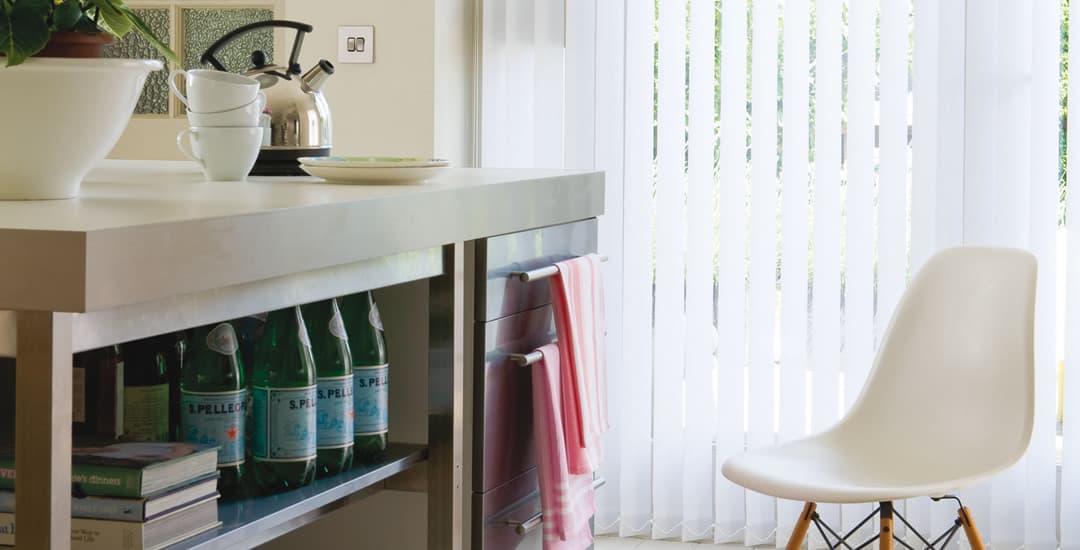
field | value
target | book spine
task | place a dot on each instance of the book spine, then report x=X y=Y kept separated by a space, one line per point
x=115 y=509
x=87 y=534
x=93 y=480
x=108 y=482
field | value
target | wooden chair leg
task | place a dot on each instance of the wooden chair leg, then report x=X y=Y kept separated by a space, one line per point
x=801 y=526
x=970 y=530
x=885 y=535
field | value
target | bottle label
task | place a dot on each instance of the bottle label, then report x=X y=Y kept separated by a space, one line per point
x=335 y=412
x=215 y=418
x=222 y=339
x=284 y=424
x=146 y=412
x=370 y=397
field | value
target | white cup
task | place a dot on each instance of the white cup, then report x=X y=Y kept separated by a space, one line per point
x=225 y=154
x=207 y=91
x=248 y=115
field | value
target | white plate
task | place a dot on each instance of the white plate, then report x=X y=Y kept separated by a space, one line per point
x=373 y=169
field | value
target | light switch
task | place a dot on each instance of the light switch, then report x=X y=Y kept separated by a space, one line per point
x=356 y=44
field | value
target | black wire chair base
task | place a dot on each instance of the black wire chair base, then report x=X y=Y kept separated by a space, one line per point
x=835 y=541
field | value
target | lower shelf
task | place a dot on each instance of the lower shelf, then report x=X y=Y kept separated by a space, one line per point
x=247 y=523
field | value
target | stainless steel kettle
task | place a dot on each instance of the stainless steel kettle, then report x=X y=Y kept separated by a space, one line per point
x=299 y=114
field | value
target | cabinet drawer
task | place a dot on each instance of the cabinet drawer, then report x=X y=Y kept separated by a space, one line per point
x=500 y=256
x=503 y=444
x=495 y=511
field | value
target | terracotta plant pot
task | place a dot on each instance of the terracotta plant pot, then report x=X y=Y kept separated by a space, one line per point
x=78 y=45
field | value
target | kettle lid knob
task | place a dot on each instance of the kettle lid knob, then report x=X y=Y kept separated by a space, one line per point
x=258 y=59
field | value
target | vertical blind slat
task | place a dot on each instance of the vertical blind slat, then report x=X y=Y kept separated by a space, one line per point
x=892 y=172
x=826 y=274
x=761 y=510
x=636 y=468
x=1070 y=461
x=700 y=418
x=548 y=95
x=794 y=240
x=1040 y=526
x=580 y=61
x=610 y=135
x=858 y=277
x=669 y=351
x=730 y=508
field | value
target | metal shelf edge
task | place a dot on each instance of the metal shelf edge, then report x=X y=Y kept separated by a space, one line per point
x=279 y=514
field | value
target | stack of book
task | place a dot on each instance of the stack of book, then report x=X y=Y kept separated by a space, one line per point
x=130 y=496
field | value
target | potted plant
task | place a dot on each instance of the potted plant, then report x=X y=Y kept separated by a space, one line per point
x=64 y=106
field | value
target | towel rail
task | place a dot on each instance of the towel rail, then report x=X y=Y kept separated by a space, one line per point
x=524 y=526
x=526 y=359
x=540 y=273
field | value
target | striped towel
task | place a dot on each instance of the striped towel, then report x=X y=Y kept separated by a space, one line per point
x=578 y=299
x=565 y=499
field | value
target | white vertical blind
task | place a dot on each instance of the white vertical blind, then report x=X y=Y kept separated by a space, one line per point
x=635 y=483
x=1070 y=461
x=1040 y=526
x=610 y=135
x=547 y=82
x=795 y=243
x=730 y=507
x=858 y=279
x=700 y=198
x=760 y=510
x=580 y=74
x=826 y=288
x=669 y=350
x=892 y=198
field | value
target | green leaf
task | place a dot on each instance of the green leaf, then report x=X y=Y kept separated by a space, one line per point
x=25 y=30
x=5 y=34
x=66 y=15
x=143 y=29
x=111 y=18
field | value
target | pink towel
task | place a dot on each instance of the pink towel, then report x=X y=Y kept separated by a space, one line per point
x=578 y=299
x=565 y=499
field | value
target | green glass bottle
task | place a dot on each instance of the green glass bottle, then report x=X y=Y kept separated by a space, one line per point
x=333 y=366
x=213 y=398
x=146 y=389
x=284 y=401
x=370 y=376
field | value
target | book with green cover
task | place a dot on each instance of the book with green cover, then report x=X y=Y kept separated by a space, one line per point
x=132 y=470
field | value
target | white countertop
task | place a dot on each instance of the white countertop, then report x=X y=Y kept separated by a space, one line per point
x=146 y=230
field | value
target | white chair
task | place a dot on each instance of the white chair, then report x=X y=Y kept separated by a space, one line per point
x=949 y=401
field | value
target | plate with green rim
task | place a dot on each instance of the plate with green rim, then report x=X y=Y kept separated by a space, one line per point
x=374 y=170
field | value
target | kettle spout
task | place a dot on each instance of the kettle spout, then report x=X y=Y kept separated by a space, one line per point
x=316 y=76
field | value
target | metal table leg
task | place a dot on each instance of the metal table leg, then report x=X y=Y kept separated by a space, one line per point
x=446 y=402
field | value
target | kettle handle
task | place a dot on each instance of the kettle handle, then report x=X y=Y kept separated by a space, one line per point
x=294 y=65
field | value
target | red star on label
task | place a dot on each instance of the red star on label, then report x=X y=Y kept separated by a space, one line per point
x=352 y=415
x=231 y=433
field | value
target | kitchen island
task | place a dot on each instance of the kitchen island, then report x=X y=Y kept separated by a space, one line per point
x=149 y=248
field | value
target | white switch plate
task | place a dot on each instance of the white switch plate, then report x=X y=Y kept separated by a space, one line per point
x=356 y=44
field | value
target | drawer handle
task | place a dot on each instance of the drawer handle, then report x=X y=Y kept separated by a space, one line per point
x=542 y=273
x=525 y=526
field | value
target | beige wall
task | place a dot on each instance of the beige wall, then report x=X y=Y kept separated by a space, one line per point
x=384 y=108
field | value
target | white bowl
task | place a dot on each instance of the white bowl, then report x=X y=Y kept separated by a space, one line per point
x=60 y=117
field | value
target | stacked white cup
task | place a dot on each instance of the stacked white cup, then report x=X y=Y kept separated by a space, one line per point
x=225 y=112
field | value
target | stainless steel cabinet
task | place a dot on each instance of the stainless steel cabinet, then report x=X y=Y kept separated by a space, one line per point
x=511 y=316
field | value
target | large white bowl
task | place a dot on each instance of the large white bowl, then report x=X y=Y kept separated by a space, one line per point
x=60 y=117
